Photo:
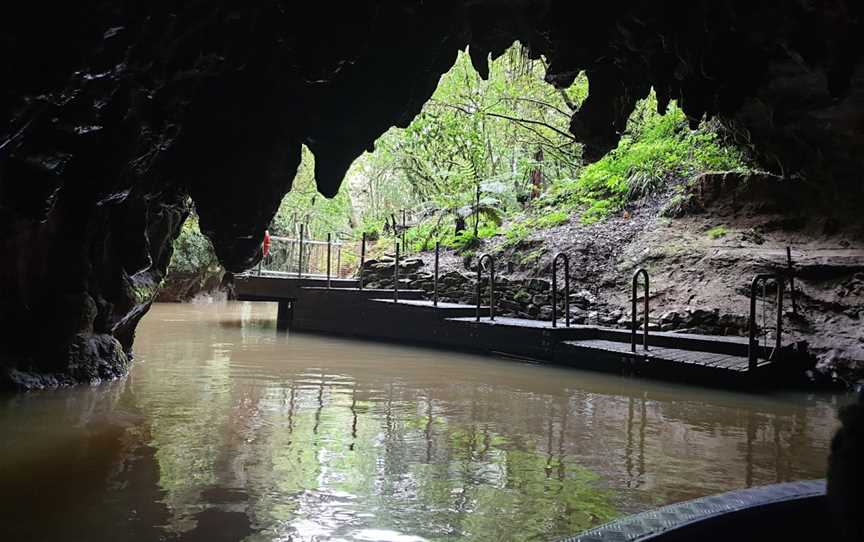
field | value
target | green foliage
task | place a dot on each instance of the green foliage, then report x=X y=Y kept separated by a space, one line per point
x=598 y=209
x=193 y=252
x=473 y=135
x=656 y=150
x=304 y=205
x=515 y=234
x=717 y=232
x=464 y=167
x=467 y=240
x=552 y=219
x=519 y=230
x=642 y=184
x=533 y=256
x=421 y=237
x=681 y=202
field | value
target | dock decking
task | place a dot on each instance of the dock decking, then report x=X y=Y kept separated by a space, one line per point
x=659 y=354
x=345 y=309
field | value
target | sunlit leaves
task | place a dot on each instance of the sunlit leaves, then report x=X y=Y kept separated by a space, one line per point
x=474 y=131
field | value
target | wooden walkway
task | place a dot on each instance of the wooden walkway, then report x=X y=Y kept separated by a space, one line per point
x=659 y=354
x=308 y=305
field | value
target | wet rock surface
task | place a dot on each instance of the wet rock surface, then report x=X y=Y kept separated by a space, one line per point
x=115 y=115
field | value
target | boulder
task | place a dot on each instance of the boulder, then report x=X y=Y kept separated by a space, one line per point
x=671 y=317
x=522 y=296
x=539 y=285
x=541 y=299
x=583 y=299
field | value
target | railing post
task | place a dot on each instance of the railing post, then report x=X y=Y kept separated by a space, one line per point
x=404 y=225
x=300 y=254
x=362 y=258
x=435 y=279
x=644 y=273
x=480 y=261
x=781 y=285
x=752 y=341
x=752 y=356
x=329 y=237
x=396 y=275
x=561 y=256
x=791 y=279
x=338 y=259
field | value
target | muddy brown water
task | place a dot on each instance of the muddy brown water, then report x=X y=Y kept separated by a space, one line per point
x=227 y=429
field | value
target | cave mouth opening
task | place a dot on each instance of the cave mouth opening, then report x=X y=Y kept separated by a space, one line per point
x=488 y=145
x=147 y=106
x=112 y=128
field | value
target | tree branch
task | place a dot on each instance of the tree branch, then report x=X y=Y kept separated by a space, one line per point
x=570 y=103
x=544 y=104
x=507 y=117
x=537 y=122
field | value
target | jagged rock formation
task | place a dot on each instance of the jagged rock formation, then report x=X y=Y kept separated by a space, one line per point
x=114 y=114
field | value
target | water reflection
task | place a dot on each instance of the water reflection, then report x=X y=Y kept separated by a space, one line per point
x=227 y=429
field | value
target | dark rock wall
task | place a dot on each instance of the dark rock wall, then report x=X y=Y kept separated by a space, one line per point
x=114 y=114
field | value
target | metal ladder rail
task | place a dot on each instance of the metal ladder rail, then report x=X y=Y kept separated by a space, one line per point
x=752 y=340
x=561 y=256
x=480 y=261
x=633 y=327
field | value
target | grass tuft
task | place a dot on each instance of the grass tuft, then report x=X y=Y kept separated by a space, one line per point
x=717 y=232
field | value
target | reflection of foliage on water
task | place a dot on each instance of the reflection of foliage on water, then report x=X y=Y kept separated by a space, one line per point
x=501 y=493
x=317 y=455
x=186 y=419
x=328 y=449
x=232 y=419
x=398 y=469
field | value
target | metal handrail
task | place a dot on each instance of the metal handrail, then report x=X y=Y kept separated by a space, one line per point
x=491 y=284
x=752 y=341
x=404 y=230
x=328 y=259
x=561 y=256
x=435 y=279
x=336 y=242
x=638 y=272
x=362 y=259
x=300 y=254
x=304 y=258
x=396 y=275
x=791 y=271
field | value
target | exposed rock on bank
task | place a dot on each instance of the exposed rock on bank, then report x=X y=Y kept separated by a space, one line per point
x=701 y=265
x=179 y=287
x=532 y=298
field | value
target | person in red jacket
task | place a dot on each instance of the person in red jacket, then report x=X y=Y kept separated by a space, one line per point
x=265 y=250
x=265 y=246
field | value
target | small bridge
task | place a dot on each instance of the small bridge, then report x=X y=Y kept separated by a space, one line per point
x=329 y=303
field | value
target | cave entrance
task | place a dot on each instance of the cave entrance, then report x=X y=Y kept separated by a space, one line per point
x=485 y=165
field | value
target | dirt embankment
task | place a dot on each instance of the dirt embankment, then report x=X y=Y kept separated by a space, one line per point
x=702 y=247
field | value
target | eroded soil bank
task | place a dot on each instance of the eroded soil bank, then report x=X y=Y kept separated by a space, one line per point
x=702 y=245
